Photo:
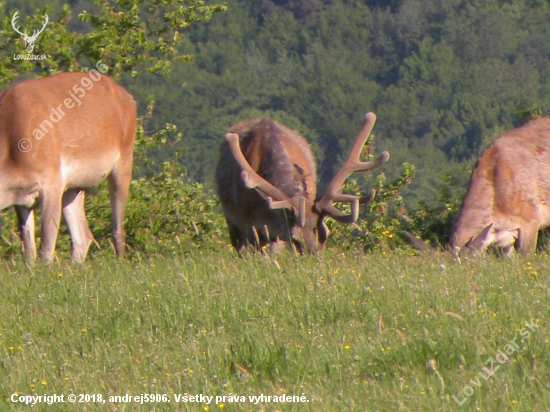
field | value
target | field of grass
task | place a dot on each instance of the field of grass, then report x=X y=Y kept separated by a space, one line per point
x=384 y=331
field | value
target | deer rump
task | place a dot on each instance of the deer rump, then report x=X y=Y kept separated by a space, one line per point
x=264 y=155
x=507 y=201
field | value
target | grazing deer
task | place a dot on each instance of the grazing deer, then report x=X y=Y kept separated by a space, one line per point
x=508 y=200
x=56 y=139
x=277 y=162
x=29 y=40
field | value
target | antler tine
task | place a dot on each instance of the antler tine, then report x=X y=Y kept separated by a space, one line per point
x=354 y=201
x=47 y=19
x=328 y=209
x=38 y=31
x=368 y=198
x=275 y=197
x=353 y=164
x=13 y=19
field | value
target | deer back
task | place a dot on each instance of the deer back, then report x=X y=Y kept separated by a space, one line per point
x=68 y=126
x=274 y=152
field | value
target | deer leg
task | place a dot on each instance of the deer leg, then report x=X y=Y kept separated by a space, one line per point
x=50 y=203
x=236 y=236
x=527 y=239
x=73 y=212
x=26 y=227
x=253 y=237
x=119 y=186
x=509 y=250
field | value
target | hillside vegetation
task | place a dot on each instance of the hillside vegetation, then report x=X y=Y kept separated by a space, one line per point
x=445 y=77
x=377 y=332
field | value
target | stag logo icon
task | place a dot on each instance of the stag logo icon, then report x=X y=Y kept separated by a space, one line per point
x=29 y=40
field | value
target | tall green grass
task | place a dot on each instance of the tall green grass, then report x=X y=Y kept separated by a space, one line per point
x=384 y=331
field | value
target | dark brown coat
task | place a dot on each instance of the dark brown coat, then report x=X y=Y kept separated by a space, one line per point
x=277 y=162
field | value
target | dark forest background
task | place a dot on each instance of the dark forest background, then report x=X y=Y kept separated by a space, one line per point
x=444 y=77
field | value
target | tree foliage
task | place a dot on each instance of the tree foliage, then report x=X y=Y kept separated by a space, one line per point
x=443 y=77
x=126 y=35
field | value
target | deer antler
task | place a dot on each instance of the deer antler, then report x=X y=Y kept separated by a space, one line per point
x=14 y=18
x=37 y=32
x=275 y=197
x=333 y=193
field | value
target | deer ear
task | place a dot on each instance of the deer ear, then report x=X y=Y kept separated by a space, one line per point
x=478 y=243
x=322 y=230
x=419 y=243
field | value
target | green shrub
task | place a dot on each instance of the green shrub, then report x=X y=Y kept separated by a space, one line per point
x=164 y=213
x=382 y=218
x=434 y=222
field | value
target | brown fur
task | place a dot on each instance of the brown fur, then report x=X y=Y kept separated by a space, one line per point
x=509 y=188
x=272 y=158
x=91 y=142
x=280 y=156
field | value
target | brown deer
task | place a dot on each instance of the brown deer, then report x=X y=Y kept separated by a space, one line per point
x=58 y=136
x=266 y=179
x=508 y=200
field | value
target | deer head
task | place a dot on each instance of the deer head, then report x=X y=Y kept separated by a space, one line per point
x=29 y=40
x=284 y=211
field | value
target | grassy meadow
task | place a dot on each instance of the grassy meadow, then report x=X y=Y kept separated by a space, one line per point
x=386 y=331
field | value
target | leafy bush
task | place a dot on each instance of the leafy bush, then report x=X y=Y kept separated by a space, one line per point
x=381 y=219
x=434 y=222
x=164 y=214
